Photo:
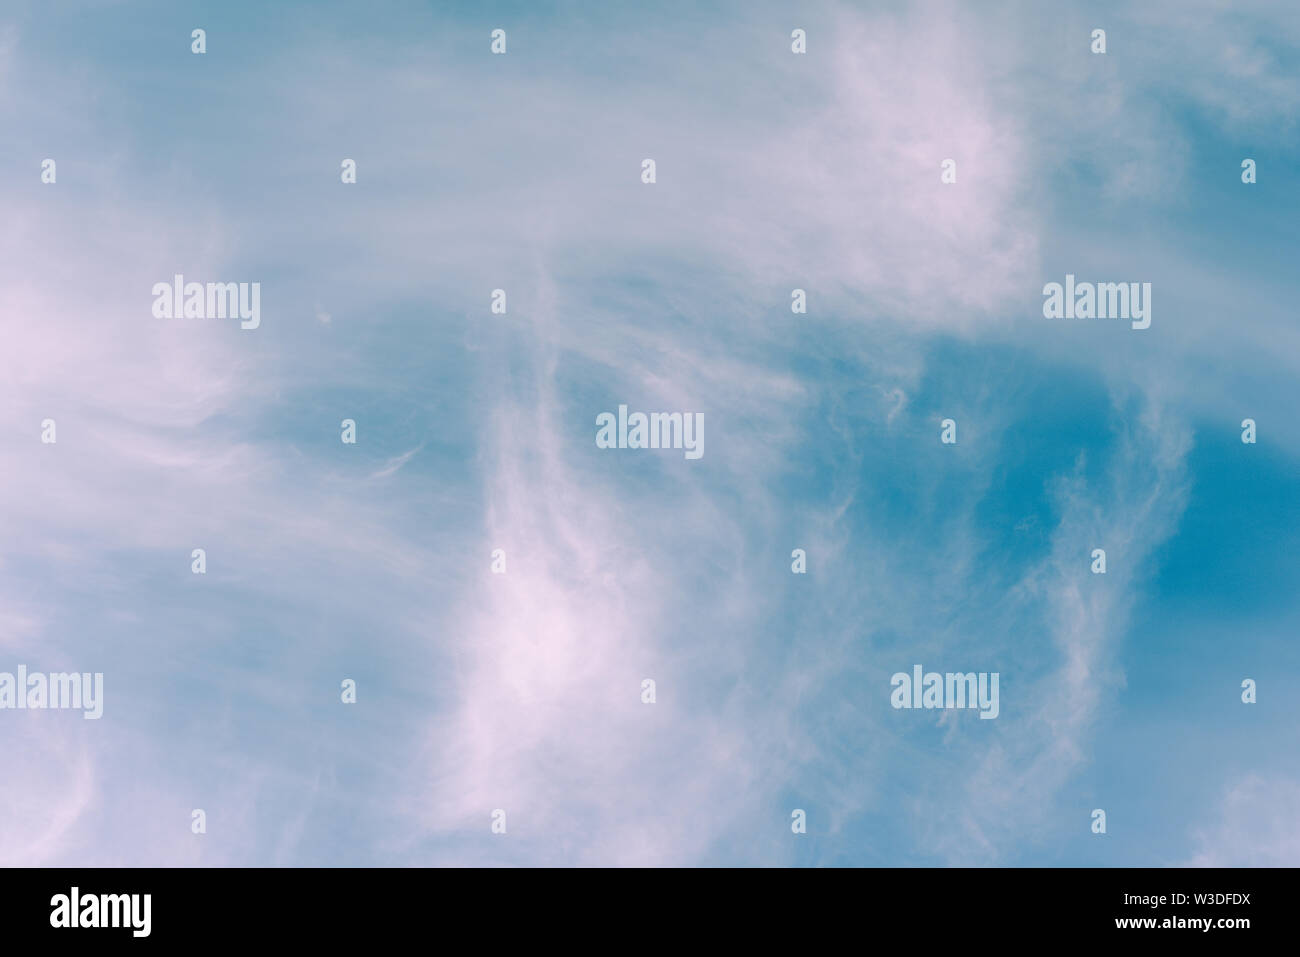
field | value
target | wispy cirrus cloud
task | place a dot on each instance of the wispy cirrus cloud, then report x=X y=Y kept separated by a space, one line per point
x=522 y=691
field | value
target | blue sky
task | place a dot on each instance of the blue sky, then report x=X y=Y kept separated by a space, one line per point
x=476 y=432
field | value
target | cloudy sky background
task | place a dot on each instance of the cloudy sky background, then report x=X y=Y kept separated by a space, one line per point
x=476 y=431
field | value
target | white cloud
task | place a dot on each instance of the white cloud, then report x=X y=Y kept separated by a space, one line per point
x=1257 y=826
